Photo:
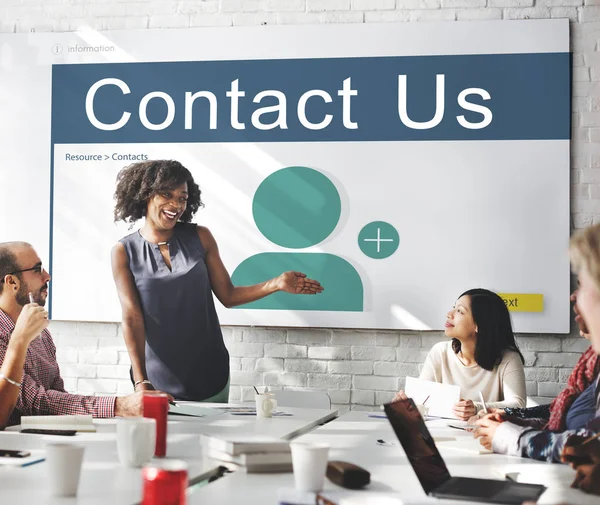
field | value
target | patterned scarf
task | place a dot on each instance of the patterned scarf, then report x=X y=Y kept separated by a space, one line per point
x=585 y=372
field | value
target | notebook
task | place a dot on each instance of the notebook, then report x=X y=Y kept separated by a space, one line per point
x=243 y=444
x=81 y=423
x=260 y=462
x=252 y=459
x=431 y=470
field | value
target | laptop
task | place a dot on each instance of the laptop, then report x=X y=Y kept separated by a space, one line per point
x=432 y=472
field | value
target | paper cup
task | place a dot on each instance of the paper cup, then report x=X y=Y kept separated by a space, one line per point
x=310 y=463
x=136 y=439
x=63 y=462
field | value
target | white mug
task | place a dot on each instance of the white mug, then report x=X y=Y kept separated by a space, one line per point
x=136 y=438
x=265 y=405
x=63 y=462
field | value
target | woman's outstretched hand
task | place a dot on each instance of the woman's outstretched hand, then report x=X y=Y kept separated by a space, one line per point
x=298 y=284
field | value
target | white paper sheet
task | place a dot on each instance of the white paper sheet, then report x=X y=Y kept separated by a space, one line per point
x=442 y=397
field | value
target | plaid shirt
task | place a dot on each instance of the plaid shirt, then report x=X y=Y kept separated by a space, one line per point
x=43 y=390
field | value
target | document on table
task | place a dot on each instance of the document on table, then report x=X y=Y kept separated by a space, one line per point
x=440 y=397
x=465 y=444
x=249 y=411
x=193 y=410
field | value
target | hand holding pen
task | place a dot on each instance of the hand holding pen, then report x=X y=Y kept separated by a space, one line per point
x=579 y=450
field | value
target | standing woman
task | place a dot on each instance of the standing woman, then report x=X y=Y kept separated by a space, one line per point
x=482 y=355
x=166 y=273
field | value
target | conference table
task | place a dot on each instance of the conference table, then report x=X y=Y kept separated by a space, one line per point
x=105 y=482
x=365 y=439
x=353 y=437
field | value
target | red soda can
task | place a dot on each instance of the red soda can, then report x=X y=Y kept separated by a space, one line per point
x=156 y=406
x=165 y=483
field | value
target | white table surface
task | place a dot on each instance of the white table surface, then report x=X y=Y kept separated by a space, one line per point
x=353 y=437
x=104 y=481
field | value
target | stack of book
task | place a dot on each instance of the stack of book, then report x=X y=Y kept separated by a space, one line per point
x=252 y=454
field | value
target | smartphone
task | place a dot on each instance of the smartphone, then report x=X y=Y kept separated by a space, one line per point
x=8 y=453
x=65 y=433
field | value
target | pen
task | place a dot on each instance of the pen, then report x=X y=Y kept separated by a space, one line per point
x=597 y=435
x=31 y=300
x=483 y=402
x=173 y=403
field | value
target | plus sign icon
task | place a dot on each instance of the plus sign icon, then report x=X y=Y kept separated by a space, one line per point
x=378 y=240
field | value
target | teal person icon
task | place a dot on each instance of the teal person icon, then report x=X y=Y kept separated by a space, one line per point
x=298 y=207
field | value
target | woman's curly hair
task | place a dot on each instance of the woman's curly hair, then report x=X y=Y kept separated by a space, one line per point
x=136 y=183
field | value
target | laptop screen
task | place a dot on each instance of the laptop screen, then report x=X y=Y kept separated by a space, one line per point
x=418 y=443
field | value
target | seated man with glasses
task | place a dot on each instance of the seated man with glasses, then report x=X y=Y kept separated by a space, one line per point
x=30 y=382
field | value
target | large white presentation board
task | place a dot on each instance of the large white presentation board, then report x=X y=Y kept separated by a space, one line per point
x=399 y=164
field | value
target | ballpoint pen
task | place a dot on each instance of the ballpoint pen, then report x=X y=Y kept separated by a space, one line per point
x=483 y=402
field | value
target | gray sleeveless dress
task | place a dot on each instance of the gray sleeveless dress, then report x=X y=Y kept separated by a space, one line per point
x=185 y=353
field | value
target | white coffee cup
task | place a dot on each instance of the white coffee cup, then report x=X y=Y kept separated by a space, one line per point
x=63 y=462
x=265 y=404
x=310 y=464
x=136 y=439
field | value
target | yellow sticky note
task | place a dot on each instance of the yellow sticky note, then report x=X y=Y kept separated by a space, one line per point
x=523 y=302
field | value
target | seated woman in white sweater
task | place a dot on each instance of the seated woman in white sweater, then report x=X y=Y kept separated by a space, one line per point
x=482 y=355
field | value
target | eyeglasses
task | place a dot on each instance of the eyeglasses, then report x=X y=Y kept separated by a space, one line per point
x=39 y=268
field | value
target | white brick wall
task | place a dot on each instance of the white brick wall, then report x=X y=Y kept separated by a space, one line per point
x=358 y=369
x=355 y=376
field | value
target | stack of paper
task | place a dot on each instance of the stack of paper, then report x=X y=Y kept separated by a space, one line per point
x=253 y=454
x=83 y=423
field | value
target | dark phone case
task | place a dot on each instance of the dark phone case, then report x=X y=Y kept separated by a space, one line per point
x=8 y=453
x=65 y=433
x=347 y=475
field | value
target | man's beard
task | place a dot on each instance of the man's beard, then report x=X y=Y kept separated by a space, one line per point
x=23 y=295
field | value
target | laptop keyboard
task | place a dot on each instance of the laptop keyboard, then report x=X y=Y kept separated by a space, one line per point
x=467 y=487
